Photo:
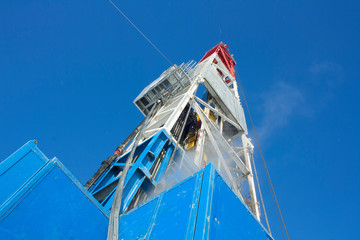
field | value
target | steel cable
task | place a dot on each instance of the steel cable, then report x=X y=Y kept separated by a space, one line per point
x=147 y=39
x=276 y=203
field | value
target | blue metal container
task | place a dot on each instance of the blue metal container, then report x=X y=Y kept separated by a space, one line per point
x=40 y=199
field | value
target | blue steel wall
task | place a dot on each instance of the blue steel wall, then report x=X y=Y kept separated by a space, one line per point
x=222 y=215
x=201 y=207
x=18 y=168
x=40 y=199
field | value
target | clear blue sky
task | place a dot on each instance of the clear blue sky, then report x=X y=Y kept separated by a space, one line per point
x=69 y=71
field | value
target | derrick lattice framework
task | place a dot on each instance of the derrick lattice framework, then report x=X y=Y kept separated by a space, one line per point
x=198 y=119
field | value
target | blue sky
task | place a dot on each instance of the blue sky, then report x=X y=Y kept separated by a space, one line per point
x=69 y=71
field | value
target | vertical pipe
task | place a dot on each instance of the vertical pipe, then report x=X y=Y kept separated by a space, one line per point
x=221 y=125
x=199 y=152
x=250 y=177
x=113 y=231
x=261 y=198
x=181 y=133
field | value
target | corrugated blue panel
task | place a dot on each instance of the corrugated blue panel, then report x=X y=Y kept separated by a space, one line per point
x=18 y=168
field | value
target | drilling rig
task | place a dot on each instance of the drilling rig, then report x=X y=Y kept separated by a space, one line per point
x=186 y=171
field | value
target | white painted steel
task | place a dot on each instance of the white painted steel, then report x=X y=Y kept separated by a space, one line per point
x=247 y=147
x=227 y=109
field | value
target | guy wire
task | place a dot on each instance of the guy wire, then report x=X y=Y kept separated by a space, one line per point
x=152 y=44
x=264 y=163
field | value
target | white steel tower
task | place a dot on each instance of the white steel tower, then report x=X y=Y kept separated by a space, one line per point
x=195 y=111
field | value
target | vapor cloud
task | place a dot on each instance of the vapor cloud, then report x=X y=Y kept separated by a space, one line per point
x=328 y=72
x=279 y=104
